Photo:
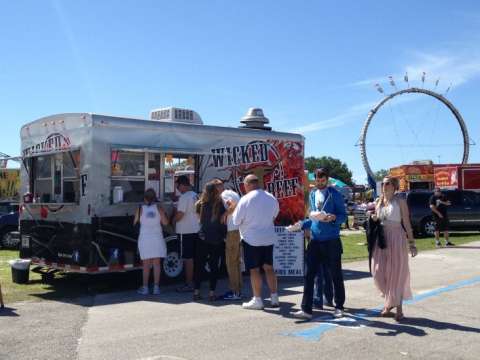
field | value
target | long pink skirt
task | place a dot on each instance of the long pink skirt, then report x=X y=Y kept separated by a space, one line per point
x=390 y=269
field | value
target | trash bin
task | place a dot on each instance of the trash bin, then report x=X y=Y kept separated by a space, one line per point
x=20 y=270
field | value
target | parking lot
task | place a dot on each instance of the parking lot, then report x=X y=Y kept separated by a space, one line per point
x=442 y=322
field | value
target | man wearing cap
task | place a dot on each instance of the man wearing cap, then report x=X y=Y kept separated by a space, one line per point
x=254 y=214
x=327 y=214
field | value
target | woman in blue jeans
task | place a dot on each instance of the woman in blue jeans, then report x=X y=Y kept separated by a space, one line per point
x=323 y=288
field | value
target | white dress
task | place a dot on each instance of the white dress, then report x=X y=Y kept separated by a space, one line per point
x=151 y=243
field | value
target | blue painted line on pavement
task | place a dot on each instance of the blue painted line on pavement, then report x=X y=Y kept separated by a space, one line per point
x=315 y=333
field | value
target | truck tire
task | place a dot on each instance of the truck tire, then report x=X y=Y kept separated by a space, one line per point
x=172 y=265
x=428 y=227
x=11 y=239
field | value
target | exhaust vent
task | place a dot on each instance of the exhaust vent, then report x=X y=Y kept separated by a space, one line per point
x=254 y=119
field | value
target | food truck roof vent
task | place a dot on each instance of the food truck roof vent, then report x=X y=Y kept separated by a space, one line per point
x=422 y=162
x=172 y=114
x=254 y=119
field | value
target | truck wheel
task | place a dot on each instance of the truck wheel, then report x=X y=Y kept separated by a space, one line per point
x=428 y=227
x=10 y=240
x=173 y=264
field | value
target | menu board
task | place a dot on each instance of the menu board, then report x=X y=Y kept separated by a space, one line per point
x=288 y=252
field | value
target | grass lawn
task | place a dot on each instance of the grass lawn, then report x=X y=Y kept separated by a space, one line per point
x=62 y=287
x=72 y=286
x=354 y=248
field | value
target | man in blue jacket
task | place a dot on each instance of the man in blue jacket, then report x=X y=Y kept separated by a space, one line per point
x=327 y=213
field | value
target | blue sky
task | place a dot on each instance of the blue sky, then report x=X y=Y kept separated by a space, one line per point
x=310 y=65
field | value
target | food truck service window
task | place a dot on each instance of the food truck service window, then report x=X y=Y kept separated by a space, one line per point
x=56 y=177
x=176 y=165
x=128 y=176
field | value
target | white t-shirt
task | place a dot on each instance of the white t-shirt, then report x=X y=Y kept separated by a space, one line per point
x=234 y=197
x=189 y=224
x=320 y=196
x=254 y=214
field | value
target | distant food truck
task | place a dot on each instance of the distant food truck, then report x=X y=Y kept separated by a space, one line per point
x=457 y=176
x=84 y=175
x=415 y=176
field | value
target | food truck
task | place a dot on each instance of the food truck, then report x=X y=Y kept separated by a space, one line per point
x=457 y=176
x=84 y=175
x=415 y=176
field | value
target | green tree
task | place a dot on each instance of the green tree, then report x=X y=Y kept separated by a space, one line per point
x=338 y=170
x=380 y=174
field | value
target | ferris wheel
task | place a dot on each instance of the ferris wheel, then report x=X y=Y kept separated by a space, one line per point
x=399 y=93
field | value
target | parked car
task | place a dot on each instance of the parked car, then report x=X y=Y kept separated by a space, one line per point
x=463 y=213
x=359 y=212
x=9 y=235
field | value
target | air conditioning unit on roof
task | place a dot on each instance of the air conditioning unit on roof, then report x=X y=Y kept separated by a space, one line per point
x=176 y=115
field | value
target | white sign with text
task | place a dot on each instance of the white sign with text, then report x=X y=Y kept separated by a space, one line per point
x=288 y=252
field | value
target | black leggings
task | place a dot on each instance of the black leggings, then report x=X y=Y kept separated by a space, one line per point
x=207 y=253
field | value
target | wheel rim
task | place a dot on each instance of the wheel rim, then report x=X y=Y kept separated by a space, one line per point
x=429 y=227
x=8 y=240
x=173 y=265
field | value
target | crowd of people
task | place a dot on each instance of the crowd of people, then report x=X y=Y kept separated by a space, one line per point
x=220 y=220
x=207 y=224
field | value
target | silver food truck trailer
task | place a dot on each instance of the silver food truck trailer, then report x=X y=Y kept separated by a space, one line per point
x=84 y=175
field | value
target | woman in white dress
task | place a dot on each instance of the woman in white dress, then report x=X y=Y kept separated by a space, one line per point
x=390 y=268
x=151 y=243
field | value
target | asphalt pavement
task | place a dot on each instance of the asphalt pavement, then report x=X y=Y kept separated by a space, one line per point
x=442 y=321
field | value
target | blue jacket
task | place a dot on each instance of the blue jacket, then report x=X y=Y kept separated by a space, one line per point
x=334 y=204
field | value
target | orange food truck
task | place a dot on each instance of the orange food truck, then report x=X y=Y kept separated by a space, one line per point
x=416 y=176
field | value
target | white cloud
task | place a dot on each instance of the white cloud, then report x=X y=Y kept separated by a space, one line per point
x=353 y=113
x=453 y=68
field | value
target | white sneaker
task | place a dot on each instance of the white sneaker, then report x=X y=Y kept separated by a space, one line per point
x=254 y=304
x=156 y=290
x=143 y=290
x=300 y=314
x=274 y=302
x=338 y=313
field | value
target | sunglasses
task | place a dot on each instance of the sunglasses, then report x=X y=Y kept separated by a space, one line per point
x=387 y=183
x=321 y=177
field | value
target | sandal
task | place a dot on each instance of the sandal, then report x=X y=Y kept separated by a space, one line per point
x=399 y=316
x=212 y=297
x=197 y=297
x=387 y=312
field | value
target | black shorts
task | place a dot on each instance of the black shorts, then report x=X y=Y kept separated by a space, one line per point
x=257 y=256
x=441 y=224
x=188 y=242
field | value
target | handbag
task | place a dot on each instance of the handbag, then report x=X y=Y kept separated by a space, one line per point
x=375 y=235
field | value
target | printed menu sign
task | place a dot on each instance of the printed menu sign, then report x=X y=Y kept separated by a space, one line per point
x=288 y=252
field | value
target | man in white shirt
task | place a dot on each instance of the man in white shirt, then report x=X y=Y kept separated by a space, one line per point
x=233 y=247
x=254 y=214
x=187 y=228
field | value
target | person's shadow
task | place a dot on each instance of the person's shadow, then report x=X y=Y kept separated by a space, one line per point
x=8 y=311
x=415 y=326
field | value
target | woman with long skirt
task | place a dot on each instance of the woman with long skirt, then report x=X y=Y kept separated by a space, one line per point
x=390 y=268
